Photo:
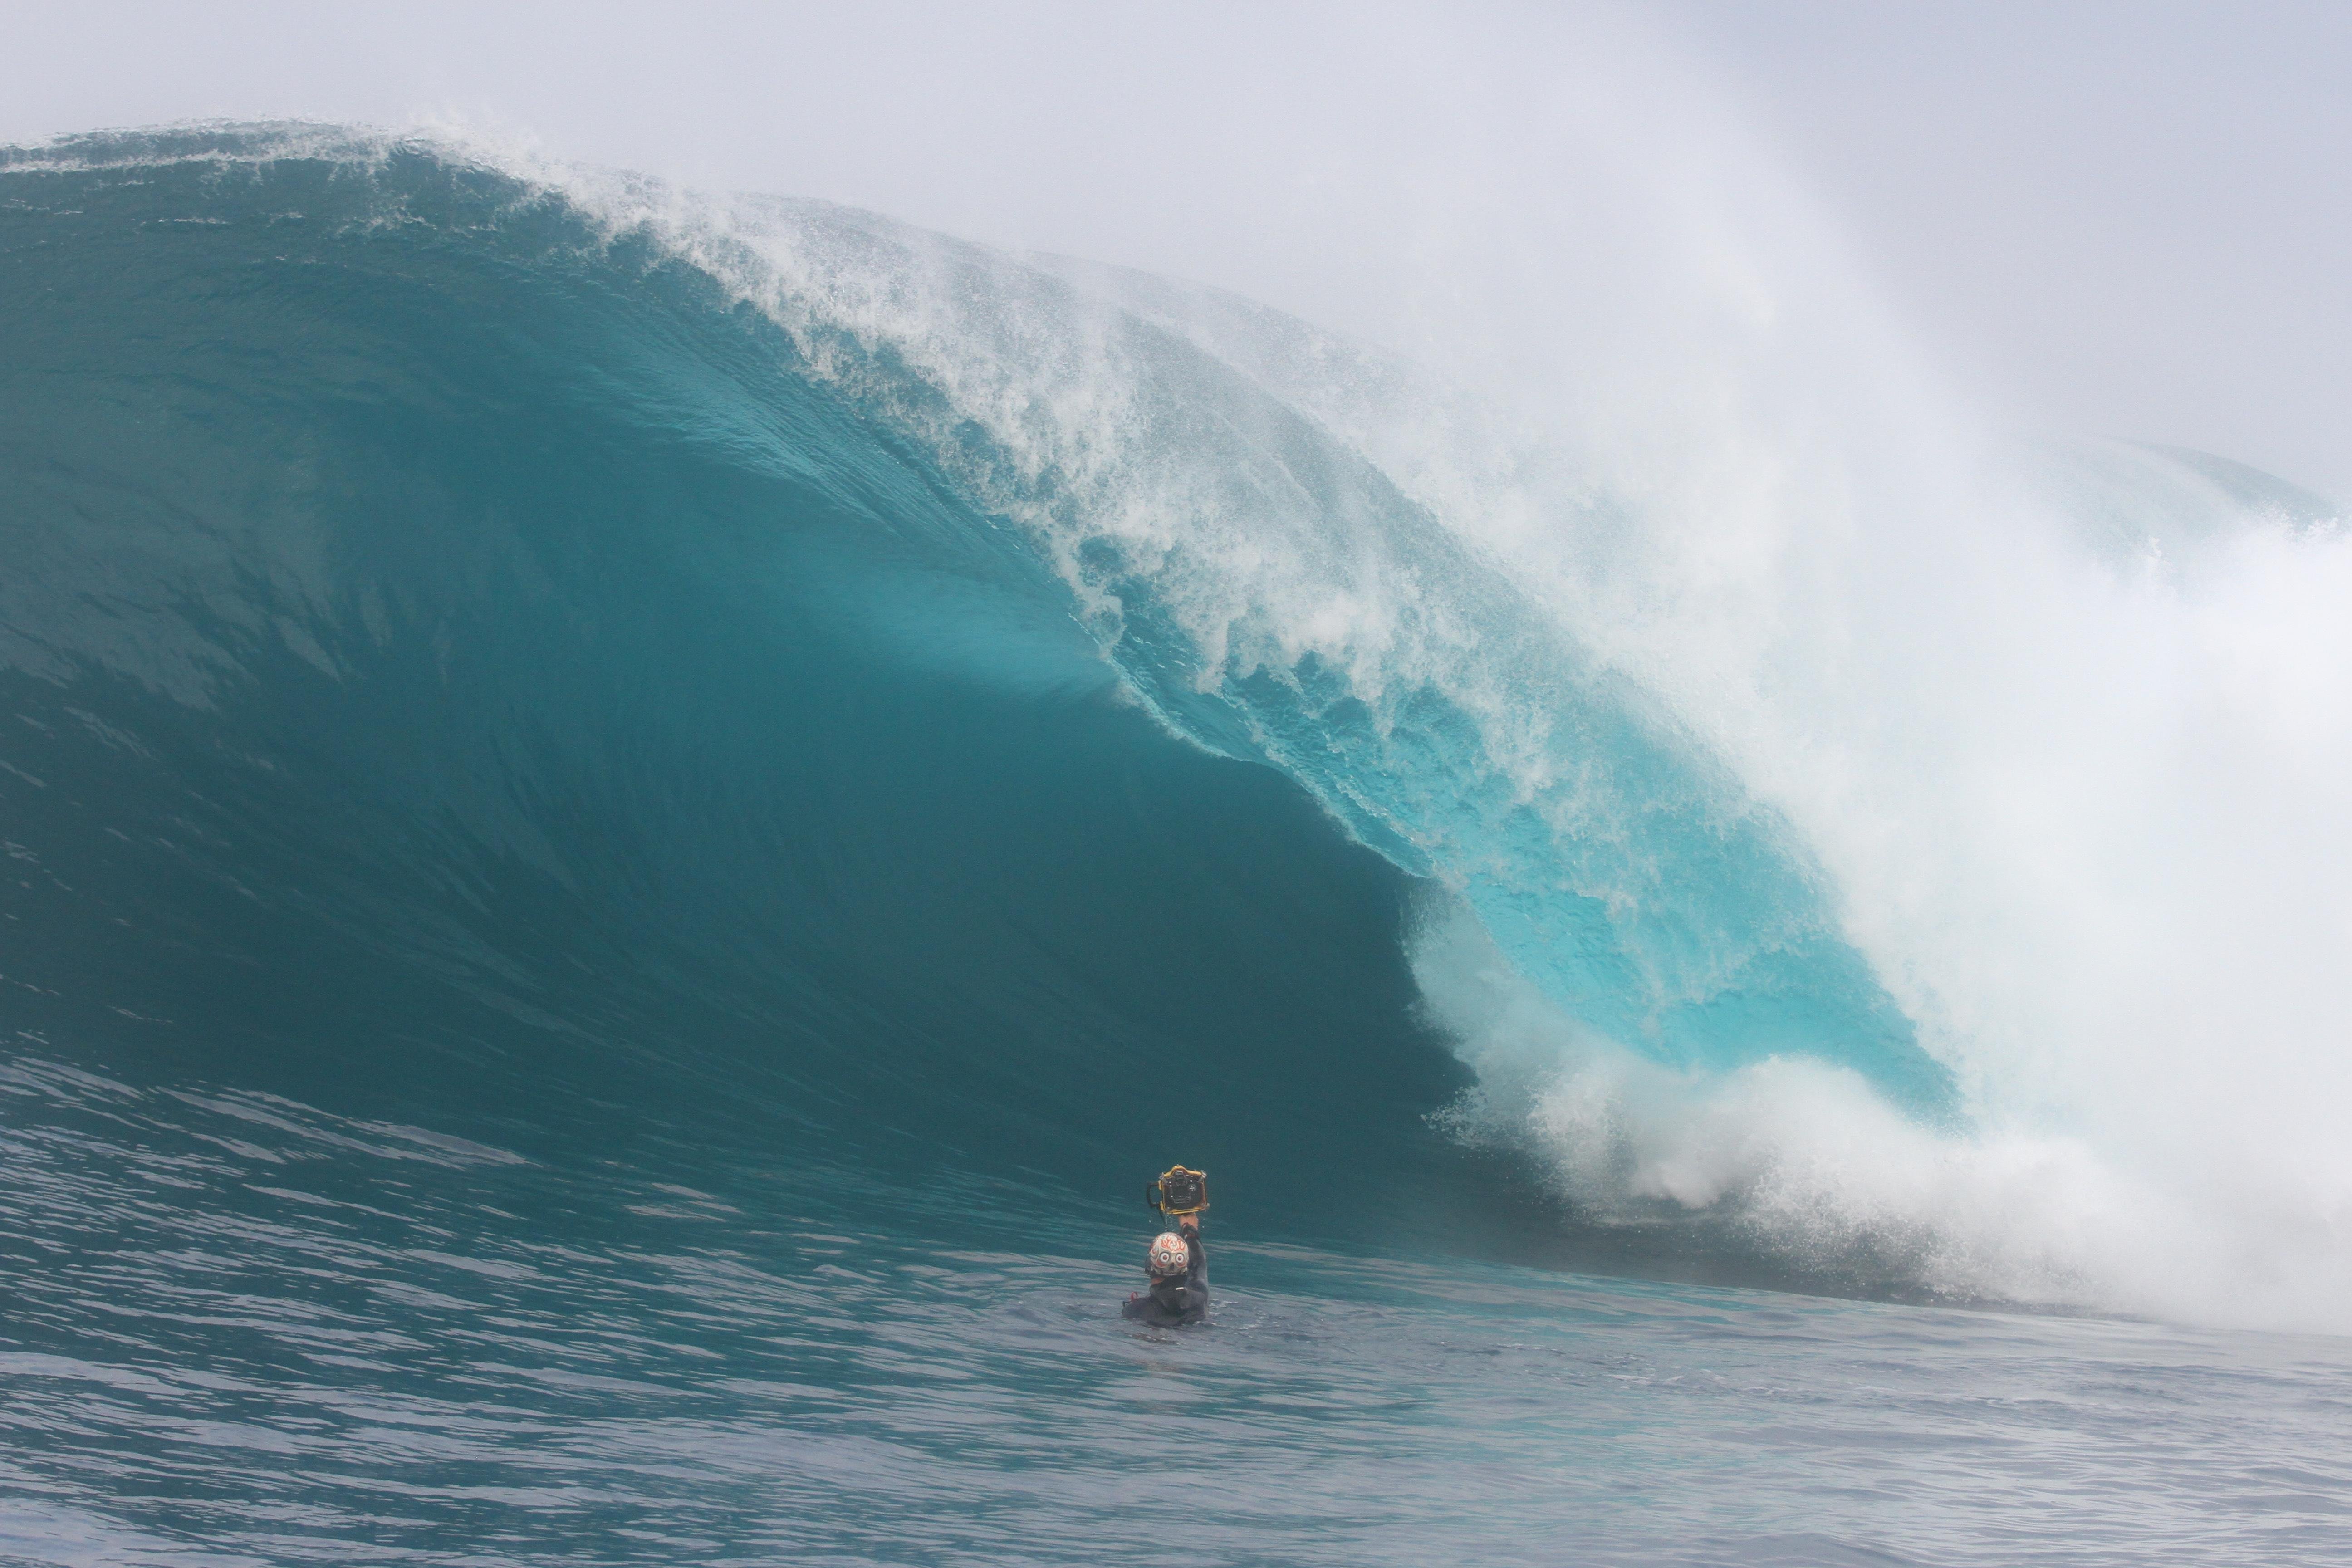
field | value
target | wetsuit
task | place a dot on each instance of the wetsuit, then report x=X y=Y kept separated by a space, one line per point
x=1173 y=1301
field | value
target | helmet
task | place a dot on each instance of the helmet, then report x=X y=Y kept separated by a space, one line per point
x=1170 y=1258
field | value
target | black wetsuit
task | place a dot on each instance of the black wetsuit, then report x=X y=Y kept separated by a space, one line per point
x=1173 y=1301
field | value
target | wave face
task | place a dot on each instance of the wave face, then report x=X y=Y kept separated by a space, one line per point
x=464 y=663
x=543 y=657
x=426 y=591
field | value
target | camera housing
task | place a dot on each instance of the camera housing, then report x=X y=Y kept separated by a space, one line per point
x=1180 y=1192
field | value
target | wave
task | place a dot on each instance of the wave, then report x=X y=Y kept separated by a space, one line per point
x=490 y=637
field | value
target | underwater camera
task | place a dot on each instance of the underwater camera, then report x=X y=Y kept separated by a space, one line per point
x=1180 y=1192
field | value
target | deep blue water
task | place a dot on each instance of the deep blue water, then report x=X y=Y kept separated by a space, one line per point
x=601 y=942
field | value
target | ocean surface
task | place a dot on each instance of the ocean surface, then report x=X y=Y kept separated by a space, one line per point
x=635 y=821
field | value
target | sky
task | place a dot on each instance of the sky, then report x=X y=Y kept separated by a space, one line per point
x=2109 y=219
x=2135 y=218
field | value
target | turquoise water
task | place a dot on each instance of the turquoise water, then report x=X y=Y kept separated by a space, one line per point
x=612 y=902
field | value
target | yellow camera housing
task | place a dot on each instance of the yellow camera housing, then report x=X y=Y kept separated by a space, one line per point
x=1181 y=1190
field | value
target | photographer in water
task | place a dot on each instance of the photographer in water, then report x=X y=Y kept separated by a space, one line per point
x=1178 y=1265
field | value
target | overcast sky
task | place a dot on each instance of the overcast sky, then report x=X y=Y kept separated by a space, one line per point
x=2131 y=219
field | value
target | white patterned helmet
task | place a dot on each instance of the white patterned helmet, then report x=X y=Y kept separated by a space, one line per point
x=1170 y=1257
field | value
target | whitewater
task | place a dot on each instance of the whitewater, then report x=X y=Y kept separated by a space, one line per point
x=637 y=816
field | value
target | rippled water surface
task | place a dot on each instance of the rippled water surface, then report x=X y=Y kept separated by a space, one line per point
x=239 y=1330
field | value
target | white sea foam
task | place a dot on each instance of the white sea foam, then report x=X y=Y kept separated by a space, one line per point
x=1804 y=1160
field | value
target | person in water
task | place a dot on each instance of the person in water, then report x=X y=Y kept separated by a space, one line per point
x=1178 y=1267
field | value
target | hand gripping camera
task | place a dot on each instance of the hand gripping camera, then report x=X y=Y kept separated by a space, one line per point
x=1180 y=1192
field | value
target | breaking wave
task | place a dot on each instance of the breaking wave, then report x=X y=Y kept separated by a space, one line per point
x=486 y=638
